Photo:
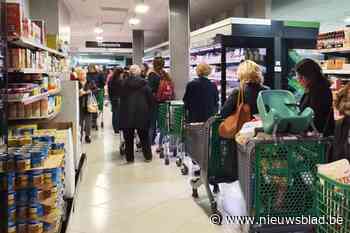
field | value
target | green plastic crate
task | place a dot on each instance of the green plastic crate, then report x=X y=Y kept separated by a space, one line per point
x=163 y=117
x=285 y=174
x=333 y=200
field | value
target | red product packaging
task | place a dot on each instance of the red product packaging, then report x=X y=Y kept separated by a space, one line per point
x=27 y=28
x=14 y=19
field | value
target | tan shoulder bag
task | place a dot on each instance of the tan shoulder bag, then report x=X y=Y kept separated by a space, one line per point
x=233 y=123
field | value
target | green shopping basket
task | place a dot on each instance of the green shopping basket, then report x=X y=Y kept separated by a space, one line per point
x=100 y=99
x=177 y=114
x=333 y=201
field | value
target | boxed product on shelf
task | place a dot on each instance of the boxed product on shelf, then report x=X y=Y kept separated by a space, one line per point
x=335 y=39
x=42 y=25
x=35 y=33
x=14 y=19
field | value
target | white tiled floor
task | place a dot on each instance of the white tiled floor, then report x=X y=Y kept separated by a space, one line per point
x=141 y=197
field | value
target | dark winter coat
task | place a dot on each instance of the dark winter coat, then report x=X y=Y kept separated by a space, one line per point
x=201 y=100
x=115 y=88
x=320 y=99
x=136 y=104
x=251 y=92
x=96 y=78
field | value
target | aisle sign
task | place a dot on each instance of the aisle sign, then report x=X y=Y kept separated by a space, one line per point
x=108 y=45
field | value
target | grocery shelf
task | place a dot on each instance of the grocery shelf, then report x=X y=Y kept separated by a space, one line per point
x=53 y=161
x=335 y=50
x=344 y=72
x=27 y=43
x=49 y=117
x=30 y=99
x=27 y=71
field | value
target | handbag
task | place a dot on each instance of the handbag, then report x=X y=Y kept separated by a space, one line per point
x=92 y=106
x=233 y=123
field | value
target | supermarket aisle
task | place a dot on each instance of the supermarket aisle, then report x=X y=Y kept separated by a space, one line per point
x=141 y=197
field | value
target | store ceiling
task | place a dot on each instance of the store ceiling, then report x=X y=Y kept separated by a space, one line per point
x=114 y=15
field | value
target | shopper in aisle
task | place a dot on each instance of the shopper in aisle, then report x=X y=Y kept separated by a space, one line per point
x=155 y=76
x=342 y=104
x=144 y=70
x=318 y=95
x=201 y=97
x=86 y=88
x=115 y=86
x=136 y=104
x=251 y=82
x=97 y=78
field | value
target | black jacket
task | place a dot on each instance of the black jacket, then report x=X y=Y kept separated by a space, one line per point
x=320 y=99
x=251 y=91
x=136 y=104
x=97 y=79
x=201 y=100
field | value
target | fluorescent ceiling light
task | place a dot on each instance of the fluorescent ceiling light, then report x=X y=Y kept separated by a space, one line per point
x=141 y=8
x=98 y=30
x=347 y=20
x=134 y=21
x=99 y=38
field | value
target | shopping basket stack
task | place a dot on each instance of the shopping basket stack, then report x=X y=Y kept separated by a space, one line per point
x=278 y=177
x=213 y=155
x=333 y=200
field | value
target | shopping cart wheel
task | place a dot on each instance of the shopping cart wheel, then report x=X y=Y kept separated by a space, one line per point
x=216 y=189
x=179 y=162
x=184 y=170
x=102 y=125
x=194 y=193
x=167 y=161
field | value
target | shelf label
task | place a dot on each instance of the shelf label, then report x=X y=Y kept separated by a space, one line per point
x=278 y=69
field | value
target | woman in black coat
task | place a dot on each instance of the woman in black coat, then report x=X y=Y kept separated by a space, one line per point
x=201 y=97
x=136 y=104
x=318 y=95
x=115 y=86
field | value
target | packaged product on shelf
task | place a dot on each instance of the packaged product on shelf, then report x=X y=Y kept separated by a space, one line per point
x=10 y=163
x=36 y=178
x=22 y=180
x=36 y=109
x=14 y=19
x=22 y=211
x=11 y=197
x=21 y=227
x=22 y=197
x=44 y=107
x=37 y=158
x=42 y=25
x=11 y=213
x=12 y=110
x=3 y=159
x=36 y=195
x=26 y=30
x=36 y=32
x=28 y=110
x=22 y=161
x=20 y=110
x=52 y=104
x=11 y=228
x=35 y=227
x=36 y=211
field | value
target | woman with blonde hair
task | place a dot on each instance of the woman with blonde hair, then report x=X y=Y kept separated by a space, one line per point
x=201 y=97
x=251 y=83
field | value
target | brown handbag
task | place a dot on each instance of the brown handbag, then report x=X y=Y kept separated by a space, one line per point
x=233 y=123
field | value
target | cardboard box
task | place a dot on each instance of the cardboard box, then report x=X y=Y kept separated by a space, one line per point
x=14 y=19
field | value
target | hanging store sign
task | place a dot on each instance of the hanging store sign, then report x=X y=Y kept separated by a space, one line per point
x=108 y=45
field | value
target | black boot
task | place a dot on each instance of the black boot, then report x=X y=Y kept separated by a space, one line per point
x=87 y=139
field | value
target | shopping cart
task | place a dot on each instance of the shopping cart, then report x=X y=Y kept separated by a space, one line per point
x=164 y=127
x=278 y=177
x=176 y=131
x=333 y=201
x=214 y=156
x=100 y=101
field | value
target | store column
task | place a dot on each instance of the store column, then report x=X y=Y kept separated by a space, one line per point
x=179 y=38
x=137 y=46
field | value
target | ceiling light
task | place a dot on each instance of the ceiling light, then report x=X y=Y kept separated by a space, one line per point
x=99 y=38
x=141 y=8
x=98 y=30
x=134 y=21
x=347 y=20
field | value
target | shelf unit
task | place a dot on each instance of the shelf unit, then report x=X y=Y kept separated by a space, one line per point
x=338 y=72
x=30 y=99
x=27 y=71
x=27 y=43
x=335 y=50
x=49 y=117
